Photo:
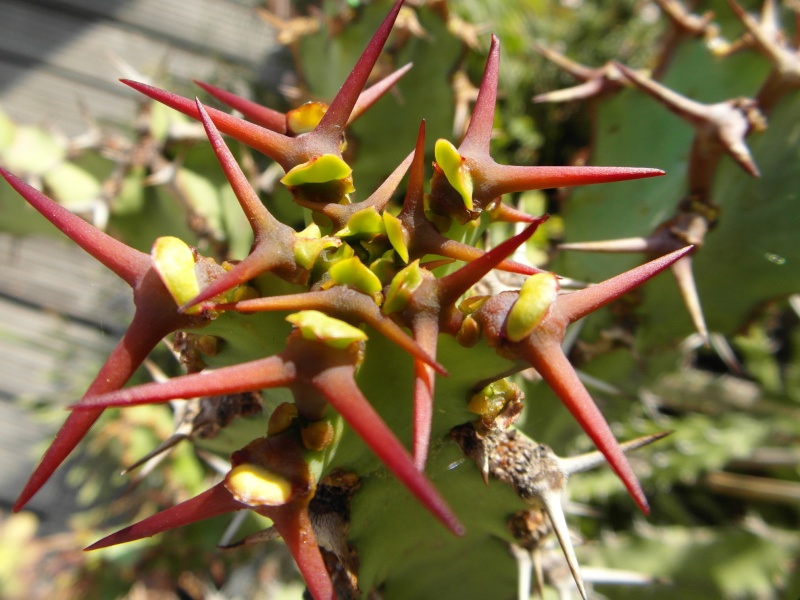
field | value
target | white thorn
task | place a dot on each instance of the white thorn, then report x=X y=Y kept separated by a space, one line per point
x=538 y=570
x=634 y=244
x=725 y=353
x=233 y=527
x=584 y=462
x=524 y=568
x=682 y=269
x=552 y=505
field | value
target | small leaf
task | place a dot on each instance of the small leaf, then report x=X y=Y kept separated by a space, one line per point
x=322 y=169
x=453 y=167
x=315 y=325
x=384 y=267
x=306 y=249
x=537 y=295
x=398 y=236
x=174 y=263
x=354 y=273
x=305 y=118
x=402 y=287
x=365 y=223
x=256 y=486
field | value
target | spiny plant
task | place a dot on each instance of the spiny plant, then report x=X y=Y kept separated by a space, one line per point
x=388 y=343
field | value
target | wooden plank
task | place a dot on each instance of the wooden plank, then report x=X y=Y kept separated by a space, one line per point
x=83 y=47
x=21 y=444
x=51 y=61
x=228 y=29
x=46 y=357
x=57 y=276
x=43 y=97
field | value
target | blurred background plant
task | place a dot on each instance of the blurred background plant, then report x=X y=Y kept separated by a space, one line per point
x=724 y=488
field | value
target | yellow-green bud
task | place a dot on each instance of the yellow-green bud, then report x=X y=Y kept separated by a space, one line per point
x=537 y=295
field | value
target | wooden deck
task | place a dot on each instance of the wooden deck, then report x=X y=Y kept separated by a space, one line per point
x=58 y=56
x=61 y=312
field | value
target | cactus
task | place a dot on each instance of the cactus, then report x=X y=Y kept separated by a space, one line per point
x=393 y=363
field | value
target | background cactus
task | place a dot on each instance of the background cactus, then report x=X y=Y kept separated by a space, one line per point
x=645 y=379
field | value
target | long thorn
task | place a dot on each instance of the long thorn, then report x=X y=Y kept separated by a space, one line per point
x=341 y=391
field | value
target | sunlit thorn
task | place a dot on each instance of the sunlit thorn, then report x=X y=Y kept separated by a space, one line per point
x=457 y=283
x=268 y=372
x=479 y=132
x=213 y=502
x=660 y=242
x=548 y=359
x=509 y=214
x=344 y=395
x=128 y=264
x=338 y=113
x=624 y=245
x=155 y=317
x=426 y=333
x=376 y=91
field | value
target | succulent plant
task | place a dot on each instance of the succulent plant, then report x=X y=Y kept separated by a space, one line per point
x=400 y=351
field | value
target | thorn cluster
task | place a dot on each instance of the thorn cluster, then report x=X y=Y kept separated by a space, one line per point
x=360 y=264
